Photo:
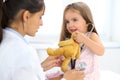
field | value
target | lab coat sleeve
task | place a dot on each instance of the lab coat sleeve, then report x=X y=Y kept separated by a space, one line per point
x=25 y=74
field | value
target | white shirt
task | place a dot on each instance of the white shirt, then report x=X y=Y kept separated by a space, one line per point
x=18 y=61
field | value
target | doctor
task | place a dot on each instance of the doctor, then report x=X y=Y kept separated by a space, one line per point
x=19 y=61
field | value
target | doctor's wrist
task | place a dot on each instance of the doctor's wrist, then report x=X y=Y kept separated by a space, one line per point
x=63 y=79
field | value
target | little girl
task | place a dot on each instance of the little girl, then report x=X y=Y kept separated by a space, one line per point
x=78 y=19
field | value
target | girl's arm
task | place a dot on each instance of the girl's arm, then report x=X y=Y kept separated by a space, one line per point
x=93 y=42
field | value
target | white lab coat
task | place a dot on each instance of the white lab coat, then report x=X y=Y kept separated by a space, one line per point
x=18 y=61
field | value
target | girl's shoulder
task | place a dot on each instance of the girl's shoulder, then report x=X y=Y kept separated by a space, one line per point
x=95 y=37
x=91 y=34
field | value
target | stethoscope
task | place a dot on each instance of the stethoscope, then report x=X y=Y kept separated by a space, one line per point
x=82 y=65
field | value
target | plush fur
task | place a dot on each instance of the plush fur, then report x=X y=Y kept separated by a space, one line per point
x=69 y=49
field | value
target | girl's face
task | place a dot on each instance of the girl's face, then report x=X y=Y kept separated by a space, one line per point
x=75 y=22
x=33 y=23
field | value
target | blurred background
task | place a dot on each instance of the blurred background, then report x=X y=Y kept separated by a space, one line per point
x=107 y=21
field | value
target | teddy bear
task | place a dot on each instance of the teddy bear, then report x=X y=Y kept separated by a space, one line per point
x=69 y=49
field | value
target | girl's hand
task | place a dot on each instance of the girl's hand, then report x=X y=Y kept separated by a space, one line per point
x=74 y=75
x=79 y=37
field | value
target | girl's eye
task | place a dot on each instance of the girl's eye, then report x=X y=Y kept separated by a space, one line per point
x=74 y=19
x=66 y=22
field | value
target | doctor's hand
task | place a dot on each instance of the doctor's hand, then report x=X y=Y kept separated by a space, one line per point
x=51 y=61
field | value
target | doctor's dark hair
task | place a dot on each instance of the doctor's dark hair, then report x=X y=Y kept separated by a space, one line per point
x=10 y=8
x=84 y=11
